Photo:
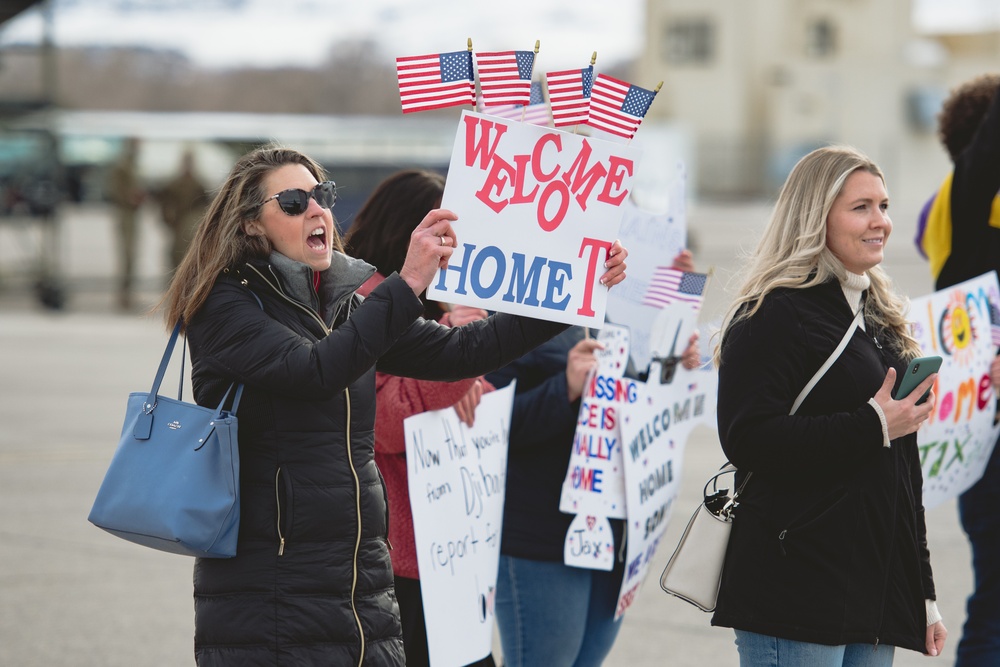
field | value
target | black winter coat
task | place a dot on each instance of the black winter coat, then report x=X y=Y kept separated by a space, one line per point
x=312 y=582
x=829 y=542
x=542 y=427
x=975 y=195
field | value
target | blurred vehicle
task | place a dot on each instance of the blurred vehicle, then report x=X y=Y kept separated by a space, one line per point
x=30 y=191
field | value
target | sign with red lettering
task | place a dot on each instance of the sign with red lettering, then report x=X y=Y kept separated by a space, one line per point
x=957 y=439
x=595 y=480
x=538 y=211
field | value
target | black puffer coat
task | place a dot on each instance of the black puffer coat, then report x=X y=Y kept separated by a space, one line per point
x=312 y=582
x=829 y=543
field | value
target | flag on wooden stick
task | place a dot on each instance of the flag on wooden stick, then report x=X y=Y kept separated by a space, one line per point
x=436 y=81
x=505 y=77
x=569 y=95
x=618 y=107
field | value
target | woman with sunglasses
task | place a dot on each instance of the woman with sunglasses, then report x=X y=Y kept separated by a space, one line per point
x=267 y=298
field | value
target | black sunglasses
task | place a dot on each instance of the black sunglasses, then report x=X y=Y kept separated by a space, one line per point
x=295 y=201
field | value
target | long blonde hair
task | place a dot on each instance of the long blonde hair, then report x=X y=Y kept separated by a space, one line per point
x=792 y=252
x=221 y=241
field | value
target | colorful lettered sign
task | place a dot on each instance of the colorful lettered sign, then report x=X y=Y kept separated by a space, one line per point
x=538 y=211
x=958 y=438
x=594 y=483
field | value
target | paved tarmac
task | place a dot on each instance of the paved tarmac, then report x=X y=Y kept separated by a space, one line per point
x=72 y=595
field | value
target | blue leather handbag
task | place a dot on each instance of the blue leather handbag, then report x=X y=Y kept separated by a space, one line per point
x=174 y=481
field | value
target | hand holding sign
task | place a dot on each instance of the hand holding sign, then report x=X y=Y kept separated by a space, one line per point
x=615 y=265
x=579 y=363
x=466 y=406
x=431 y=244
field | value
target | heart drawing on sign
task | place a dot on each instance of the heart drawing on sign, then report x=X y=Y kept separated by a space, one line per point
x=591 y=520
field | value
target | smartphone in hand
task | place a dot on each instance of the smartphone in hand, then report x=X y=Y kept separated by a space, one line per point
x=918 y=371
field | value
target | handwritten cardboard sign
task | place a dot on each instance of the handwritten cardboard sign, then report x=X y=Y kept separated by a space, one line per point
x=957 y=440
x=538 y=211
x=457 y=478
x=590 y=543
x=655 y=430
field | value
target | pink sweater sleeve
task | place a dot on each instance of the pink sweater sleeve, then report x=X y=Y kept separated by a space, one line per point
x=399 y=398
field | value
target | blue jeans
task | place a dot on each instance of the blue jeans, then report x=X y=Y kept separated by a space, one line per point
x=980 y=515
x=763 y=651
x=553 y=615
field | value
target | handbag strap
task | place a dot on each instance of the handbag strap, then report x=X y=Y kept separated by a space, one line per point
x=813 y=381
x=832 y=359
x=154 y=390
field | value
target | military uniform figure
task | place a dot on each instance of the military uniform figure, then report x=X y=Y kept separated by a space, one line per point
x=126 y=193
x=182 y=203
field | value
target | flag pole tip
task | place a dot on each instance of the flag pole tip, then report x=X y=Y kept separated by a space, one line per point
x=470 y=43
x=658 y=86
x=593 y=59
x=537 y=44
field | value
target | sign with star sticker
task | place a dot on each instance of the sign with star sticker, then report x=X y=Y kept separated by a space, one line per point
x=594 y=483
x=654 y=430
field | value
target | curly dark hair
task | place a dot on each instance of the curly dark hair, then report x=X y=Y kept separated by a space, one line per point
x=964 y=110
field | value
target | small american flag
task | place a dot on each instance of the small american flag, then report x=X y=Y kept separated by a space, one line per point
x=994 y=324
x=436 y=81
x=669 y=286
x=536 y=113
x=505 y=77
x=618 y=107
x=569 y=95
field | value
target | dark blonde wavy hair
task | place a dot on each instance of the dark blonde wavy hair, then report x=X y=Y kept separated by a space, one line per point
x=221 y=241
x=792 y=252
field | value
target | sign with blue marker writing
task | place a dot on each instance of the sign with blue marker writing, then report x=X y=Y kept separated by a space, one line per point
x=655 y=429
x=961 y=324
x=594 y=482
x=457 y=477
x=538 y=212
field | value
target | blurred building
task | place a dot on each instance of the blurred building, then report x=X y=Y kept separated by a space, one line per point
x=759 y=84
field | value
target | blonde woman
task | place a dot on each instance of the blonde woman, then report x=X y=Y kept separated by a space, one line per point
x=828 y=562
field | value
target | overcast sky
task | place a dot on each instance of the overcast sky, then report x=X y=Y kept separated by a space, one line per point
x=224 y=33
x=301 y=32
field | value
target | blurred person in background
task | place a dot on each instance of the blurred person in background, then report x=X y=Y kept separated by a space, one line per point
x=267 y=298
x=126 y=194
x=182 y=204
x=959 y=232
x=380 y=235
x=551 y=614
x=827 y=563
